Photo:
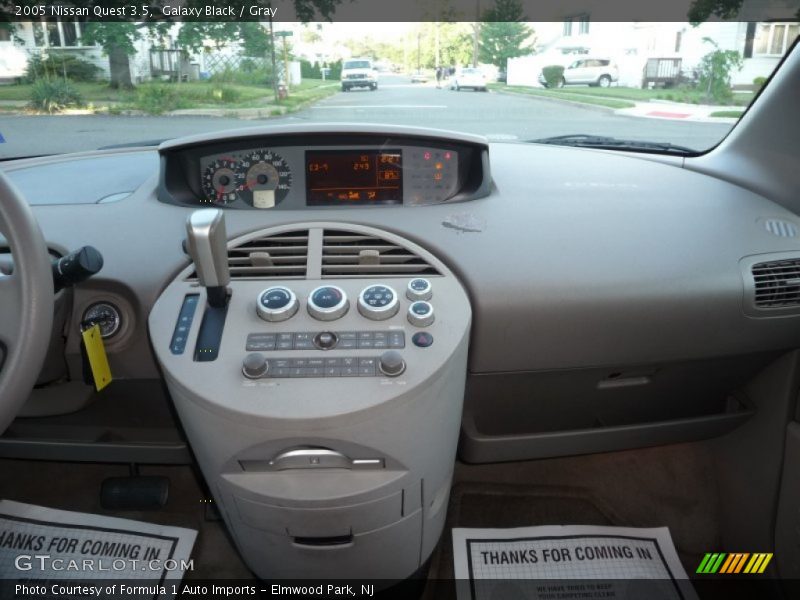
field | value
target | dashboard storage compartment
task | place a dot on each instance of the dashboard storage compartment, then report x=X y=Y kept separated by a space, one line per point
x=333 y=521
x=562 y=413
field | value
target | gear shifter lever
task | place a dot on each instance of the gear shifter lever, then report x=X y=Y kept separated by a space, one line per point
x=208 y=247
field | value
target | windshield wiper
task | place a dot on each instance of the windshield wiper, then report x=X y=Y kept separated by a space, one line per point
x=602 y=142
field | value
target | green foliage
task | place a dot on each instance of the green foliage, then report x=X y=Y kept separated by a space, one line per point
x=715 y=72
x=759 y=82
x=65 y=66
x=250 y=72
x=157 y=99
x=336 y=70
x=310 y=70
x=112 y=35
x=553 y=75
x=54 y=95
x=502 y=35
x=224 y=95
x=701 y=10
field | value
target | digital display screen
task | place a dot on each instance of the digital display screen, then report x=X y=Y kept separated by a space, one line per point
x=357 y=177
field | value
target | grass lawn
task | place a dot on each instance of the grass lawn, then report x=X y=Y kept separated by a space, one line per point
x=727 y=113
x=563 y=95
x=157 y=98
x=680 y=94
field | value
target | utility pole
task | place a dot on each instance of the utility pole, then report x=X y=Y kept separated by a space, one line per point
x=286 y=64
x=476 y=33
x=436 y=44
x=274 y=66
x=419 y=36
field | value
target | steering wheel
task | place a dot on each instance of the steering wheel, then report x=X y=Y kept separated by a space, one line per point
x=26 y=303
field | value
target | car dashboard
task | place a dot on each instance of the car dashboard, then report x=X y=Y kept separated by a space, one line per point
x=396 y=296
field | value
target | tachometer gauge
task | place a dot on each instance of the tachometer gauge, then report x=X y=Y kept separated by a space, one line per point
x=267 y=179
x=222 y=180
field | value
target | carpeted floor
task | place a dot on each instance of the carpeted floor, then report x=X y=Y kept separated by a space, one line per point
x=670 y=486
x=76 y=486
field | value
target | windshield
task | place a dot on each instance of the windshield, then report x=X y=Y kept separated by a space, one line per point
x=357 y=64
x=70 y=85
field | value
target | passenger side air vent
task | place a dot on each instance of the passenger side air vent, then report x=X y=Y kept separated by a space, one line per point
x=351 y=254
x=777 y=283
x=280 y=256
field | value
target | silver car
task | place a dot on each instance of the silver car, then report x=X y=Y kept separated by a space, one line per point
x=600 y=72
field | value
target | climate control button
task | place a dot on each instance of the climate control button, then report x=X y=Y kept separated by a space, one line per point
x=378 y=302
x=328 y=303
x=391 y=363
x=419 y=289
x=276 y=304
x=255 y=365
x=420 y=314
x=326 y=340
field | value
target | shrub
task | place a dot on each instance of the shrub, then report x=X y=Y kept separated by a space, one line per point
x=310 y=70
x=758 y=83
x=224 y=94
x=60 y=65
x=54 y=95
x=159 y=98
x=336 y=70
x=553 y=76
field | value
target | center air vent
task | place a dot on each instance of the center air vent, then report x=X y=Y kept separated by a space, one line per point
x=777 y=283
x=280 y=256
x=351 y=254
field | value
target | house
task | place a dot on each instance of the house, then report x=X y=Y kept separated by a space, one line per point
x=148 y=62
x=39 y=37
x=630 y=44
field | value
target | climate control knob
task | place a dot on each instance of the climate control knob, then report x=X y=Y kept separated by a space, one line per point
x=276 y=304
x=419 y=289
x=391 y=363
x=328 y=303
x=420 y=314
x=255 y=365
x=378 y=302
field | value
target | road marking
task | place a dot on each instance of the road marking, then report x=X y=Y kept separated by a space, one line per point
x=413 y=106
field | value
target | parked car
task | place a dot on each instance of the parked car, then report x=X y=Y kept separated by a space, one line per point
x=600 y=72
x=419 y=77
x=359 y=72
x=469 y=78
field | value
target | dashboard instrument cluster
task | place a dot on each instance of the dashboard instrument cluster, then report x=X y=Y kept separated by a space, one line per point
x=297 y=172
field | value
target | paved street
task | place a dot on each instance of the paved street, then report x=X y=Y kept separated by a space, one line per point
x=397 y=101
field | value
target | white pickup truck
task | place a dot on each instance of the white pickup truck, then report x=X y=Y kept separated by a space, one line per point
x=359 y=72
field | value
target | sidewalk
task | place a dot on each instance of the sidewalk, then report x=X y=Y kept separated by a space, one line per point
x=677 y=111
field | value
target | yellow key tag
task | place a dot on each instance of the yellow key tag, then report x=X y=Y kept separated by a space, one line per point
x=96 y=354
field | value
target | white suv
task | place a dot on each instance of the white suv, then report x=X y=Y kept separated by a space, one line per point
x=588 y=71
x=359 y=72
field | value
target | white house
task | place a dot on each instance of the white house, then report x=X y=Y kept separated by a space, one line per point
x=38 y=37
x=630 y=44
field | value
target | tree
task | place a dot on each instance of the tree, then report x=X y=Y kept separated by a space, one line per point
x=503 y=35
x=117 y=41
x=118 y=38
x=715 y=71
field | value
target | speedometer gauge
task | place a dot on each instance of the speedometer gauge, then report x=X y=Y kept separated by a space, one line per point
x=222 y=180
x=267 y=179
